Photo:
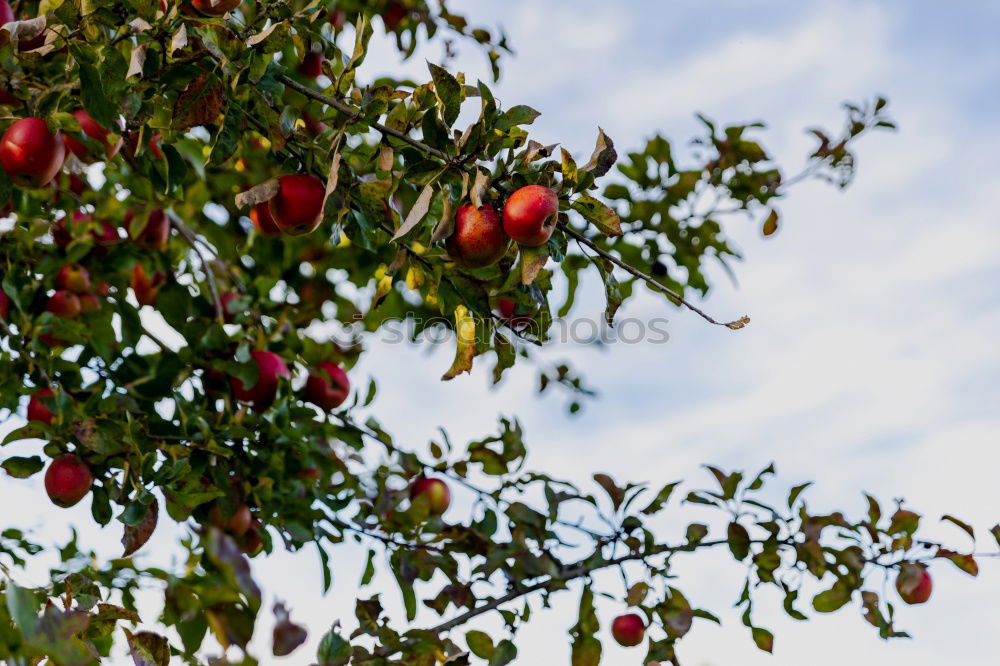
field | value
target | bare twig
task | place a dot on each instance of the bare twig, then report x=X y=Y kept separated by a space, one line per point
x=192 y=240
x=652 y=282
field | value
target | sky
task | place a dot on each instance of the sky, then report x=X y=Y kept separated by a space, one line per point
x=872 y=360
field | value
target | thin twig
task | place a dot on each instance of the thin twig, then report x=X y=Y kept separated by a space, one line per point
x=353 y=113
x=192 y=240
x=652 y=282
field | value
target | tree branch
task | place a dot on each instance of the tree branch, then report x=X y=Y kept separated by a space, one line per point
x=651 y=281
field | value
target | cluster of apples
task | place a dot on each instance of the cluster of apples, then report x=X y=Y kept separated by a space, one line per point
x=327 y=386
x=32 y=154
x=481 y=239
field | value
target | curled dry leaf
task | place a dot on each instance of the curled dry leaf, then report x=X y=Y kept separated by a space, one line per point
x=21 y=31
x=417 y=212
x=137 y=61
x=257 y=194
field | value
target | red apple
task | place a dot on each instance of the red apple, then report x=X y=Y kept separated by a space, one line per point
x=313 y=125
x=6 y=97
x=67 y=480
x=328 y=388
x=89 y=302
x=37 y=411
x=225 y=299
x=479 y=239
x=261 y=217
x=395 y=13
x=252 y=543
x=64 y=303
x=4 y=305
x=297 y=207
x=432 y=494
x=154 y=146
x=628 y=629
x=914 y=583
x=270 y=367
x=31 y=154
x=73 y=277
x=6 y=13
x=530 y=215
x=145 y=287
x=338 y=18
x=215 y=7
x=106 y=233
x=237 y=524
x=155 y=234
x=311 y=65
x=95 y=131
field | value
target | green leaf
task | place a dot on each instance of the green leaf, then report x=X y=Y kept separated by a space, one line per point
x=832 y=599
x=661 y=498
x=148 y=649
x=449 y=93
x=586 y=651
x=95 y=100
x=480 y=644
x=505 y=653
x=517 y=115
x=739 y=541
x=21 y=467
x=602 y=216
x=23 y=608
x=763 y=638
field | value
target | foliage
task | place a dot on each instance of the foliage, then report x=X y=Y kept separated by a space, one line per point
x=212 y=110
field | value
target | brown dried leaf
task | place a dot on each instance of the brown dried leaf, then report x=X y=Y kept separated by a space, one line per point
x=257 y=194
x=417 y=213
x=136 y=536
x=21 y=31
x=200 y=103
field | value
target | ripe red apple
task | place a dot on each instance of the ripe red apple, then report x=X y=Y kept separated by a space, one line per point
x=4 y=305
x=628 y=629
x=89 y=302
x=329 y=387
x=37 y=411
x=6 y=13
x=270 y=367
x=237 y=524
x=67 y=480
x=224 y=300
x=479 y=239
x=95 y=131
x=73 y=277
x=64 y=303
x=914 y=583
x=432 y=494
x=297 y=206
x=311 y=65
x=395 y=13
x=106 y=234
x=251 y=542
x=146 y=288
x=530 y=215
x=260 y=215
x=31 y=154
x=155 y=234
x=313 y=125
x=215 y=7
x=338 y=18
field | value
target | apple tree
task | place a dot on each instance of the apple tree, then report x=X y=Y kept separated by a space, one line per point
x=195 y=192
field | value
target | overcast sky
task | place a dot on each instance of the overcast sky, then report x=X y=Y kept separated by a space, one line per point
x=872 y=360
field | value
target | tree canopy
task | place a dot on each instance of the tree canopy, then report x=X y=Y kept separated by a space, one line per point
x=258 y=190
